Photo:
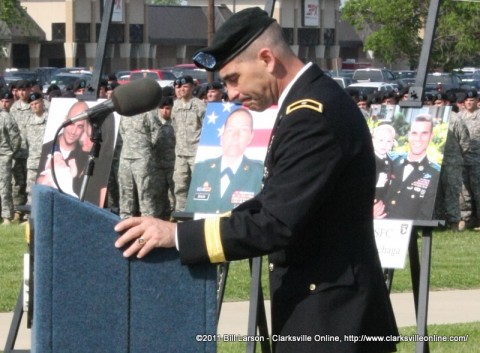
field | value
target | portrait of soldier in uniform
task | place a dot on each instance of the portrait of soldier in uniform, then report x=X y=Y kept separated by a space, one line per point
x=219 y=184
x=414 y=179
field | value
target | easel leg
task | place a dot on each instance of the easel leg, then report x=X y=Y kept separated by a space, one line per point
x=15 y=326
x=222 y=282
x=256 y=314
x=421 y=282
x=388 y=275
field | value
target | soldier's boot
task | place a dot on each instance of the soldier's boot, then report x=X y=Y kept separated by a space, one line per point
x=454 y=227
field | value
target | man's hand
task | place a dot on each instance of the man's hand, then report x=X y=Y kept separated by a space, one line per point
x=144 y=234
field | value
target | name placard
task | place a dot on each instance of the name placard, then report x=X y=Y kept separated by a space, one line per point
x=392 y=237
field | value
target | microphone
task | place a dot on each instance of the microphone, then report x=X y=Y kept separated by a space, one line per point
x=133 y=98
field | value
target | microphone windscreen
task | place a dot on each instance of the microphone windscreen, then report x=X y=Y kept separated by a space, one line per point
x=137 y=97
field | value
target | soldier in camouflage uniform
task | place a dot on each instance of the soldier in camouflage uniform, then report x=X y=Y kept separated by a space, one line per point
x=9 y=143
x=447 y=203
x=187 y=119
x=471 y=171
x=138 y=194
x=164 y=157
x=34 y=132
x=20 y=111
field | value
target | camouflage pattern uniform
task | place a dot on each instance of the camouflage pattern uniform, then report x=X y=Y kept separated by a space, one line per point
x=164 y=160
x=138 y=193
x=187 y=120
x=471 y=170
x=9 y=143
x=112 y=200
x=20 y=111
x=449 y=192
x=34 y=132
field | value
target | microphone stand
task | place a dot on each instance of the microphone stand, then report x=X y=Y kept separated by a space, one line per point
x=96 y=138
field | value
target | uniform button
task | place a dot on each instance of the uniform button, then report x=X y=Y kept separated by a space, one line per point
x=312 y=287
x=271 y=266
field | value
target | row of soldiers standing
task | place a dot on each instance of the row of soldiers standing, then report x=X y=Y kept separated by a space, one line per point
x=23 y=119
x=158 y=151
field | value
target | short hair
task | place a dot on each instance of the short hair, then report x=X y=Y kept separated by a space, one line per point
x=423 y=118
x=240 y=110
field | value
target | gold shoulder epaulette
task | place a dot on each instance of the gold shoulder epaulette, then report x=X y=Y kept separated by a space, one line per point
x=305 y=103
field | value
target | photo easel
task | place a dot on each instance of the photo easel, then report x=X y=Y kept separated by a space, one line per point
x=92 y=96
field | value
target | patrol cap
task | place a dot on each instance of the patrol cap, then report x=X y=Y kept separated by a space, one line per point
x=34 y=96
x=78 y=84
x=471 y=93
x=166 y=101
x=234 y=36
x=24 y=84
x=6 y=95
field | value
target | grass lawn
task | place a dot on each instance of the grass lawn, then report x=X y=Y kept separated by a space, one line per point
x=470 y=331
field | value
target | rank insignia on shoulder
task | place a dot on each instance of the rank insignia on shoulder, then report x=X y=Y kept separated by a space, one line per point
x=305 y=103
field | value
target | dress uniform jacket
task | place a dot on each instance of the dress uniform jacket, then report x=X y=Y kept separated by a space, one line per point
x=314 y=219
x=413 y=198
x=205 y=196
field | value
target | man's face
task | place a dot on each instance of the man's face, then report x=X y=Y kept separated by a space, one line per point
x=237 y=134
x=73 y=132
x=6 y=104
x=419 y=137
x=23 y=94
x=214 y=95
x=165 y=111
x=37 y=106
x=471 y=104
x=251 y=83
x=186 y=90
x=362 y=105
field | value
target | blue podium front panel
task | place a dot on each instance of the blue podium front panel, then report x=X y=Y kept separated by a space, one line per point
x=88 y=298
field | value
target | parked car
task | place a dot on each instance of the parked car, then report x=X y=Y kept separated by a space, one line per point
x=373 y=75
x=344 y=82
x=13 y=75
x=163 y=77
x=368 y=88
x=67 y=79
x=443 y=82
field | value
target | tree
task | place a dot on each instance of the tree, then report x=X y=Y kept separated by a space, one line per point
x=392 y=30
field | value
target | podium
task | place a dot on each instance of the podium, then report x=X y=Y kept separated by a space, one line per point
x=89 y=298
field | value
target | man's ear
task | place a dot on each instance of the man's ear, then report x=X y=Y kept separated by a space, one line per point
x=266 y=55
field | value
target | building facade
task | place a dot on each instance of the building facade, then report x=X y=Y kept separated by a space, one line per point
x=147 y=36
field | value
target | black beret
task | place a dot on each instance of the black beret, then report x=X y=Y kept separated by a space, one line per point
x=234 y=36
x=7 y=95
x=112 y=85
x=471 y=93
x=184 y=80
x=168 y=91
x=79 y=84
x=34 y=96
x=214 y=85
x=440 y=97
x=24 y=84
x=166 y=101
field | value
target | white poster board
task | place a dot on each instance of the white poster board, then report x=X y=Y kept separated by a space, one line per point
x=392 y=237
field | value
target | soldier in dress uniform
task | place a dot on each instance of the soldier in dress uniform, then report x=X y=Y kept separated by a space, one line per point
x=10 y=140
x=313 y=216
x=411 y=193
x=222 y=183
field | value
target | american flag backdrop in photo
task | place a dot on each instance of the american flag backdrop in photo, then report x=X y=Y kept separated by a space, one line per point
x=215 y=116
